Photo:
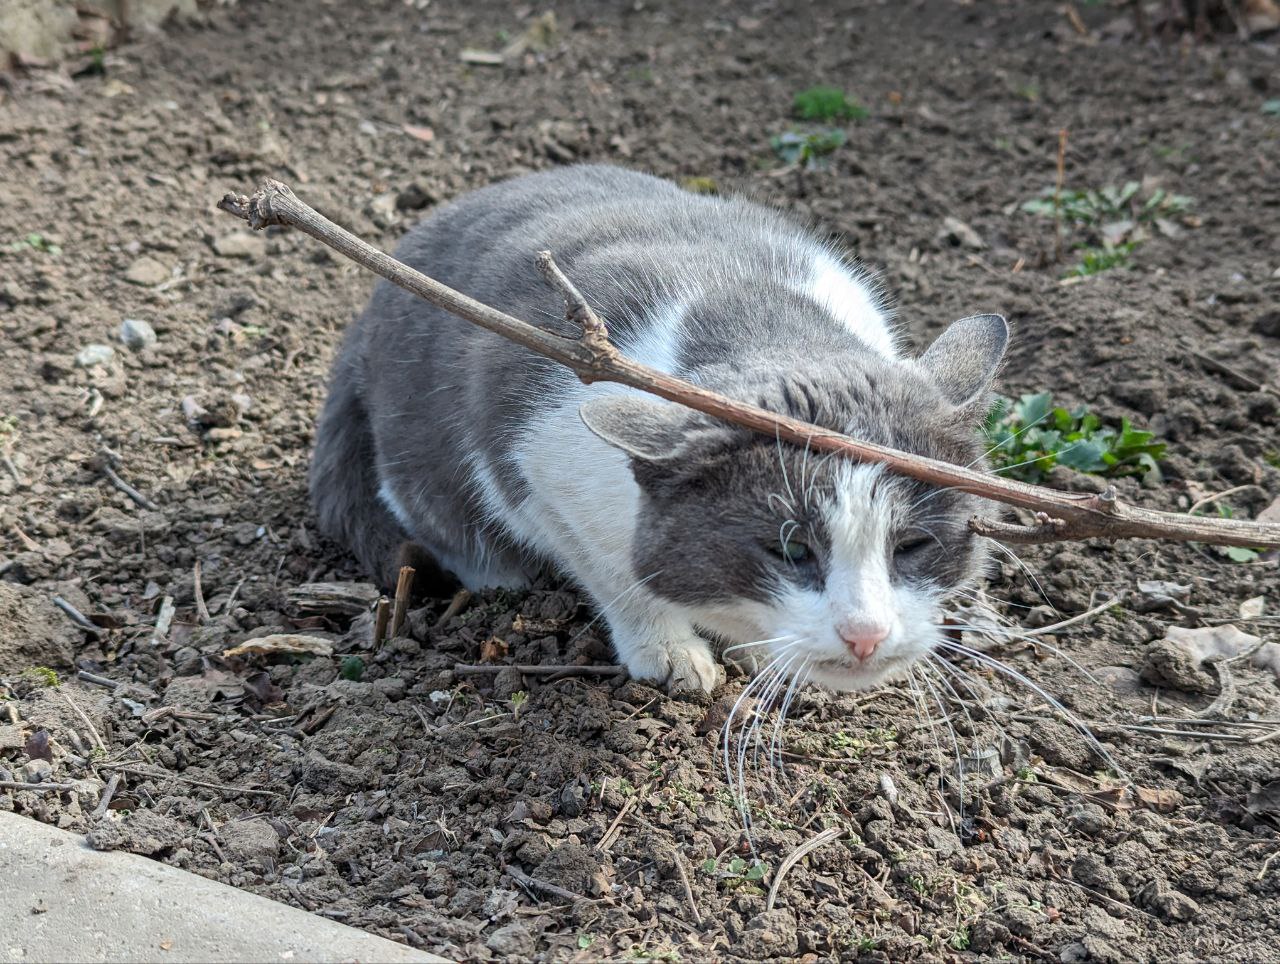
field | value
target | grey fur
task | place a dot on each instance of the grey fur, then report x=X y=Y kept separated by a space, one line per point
x=426 y=404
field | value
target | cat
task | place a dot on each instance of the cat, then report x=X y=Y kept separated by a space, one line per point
x=685 y=531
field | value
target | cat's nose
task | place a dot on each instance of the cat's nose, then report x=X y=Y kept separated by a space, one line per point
x=862 y=637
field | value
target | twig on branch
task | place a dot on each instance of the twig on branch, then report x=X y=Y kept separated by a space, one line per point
x=1072 y=516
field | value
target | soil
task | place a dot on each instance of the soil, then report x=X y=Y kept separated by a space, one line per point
x=510 y=816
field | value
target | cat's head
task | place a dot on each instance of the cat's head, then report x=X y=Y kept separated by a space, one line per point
x=837 y=566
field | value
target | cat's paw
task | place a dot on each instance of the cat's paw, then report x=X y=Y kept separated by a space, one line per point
x=682 y=666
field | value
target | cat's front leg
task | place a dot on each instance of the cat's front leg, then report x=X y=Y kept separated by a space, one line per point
x=663 y=648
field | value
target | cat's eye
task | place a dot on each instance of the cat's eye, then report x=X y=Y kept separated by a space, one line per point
x=791 y=550
x=908 y=546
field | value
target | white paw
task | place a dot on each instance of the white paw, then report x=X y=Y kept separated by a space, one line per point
x=682 y=666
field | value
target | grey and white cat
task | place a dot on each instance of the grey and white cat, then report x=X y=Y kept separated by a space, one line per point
x=682 y=529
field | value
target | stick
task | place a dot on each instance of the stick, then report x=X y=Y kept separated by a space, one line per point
x=469 y=669
x=793 y=858
x=403 y=587
x=125 y=487
x=381 y=619
x=164 y=775
x=201 y=609
x=38 y=787
x=1057 y=195
x=456 y=605
x=77 y=617
x=107 y=794
x=688 y=890
x=533 y=884
x=1075 y=516
x=93 y=730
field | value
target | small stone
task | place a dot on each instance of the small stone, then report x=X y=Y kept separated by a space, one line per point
x=240 y=244
x=1268 y=324
x=392 y=687
x=91 y=355
x=37 y=771
x=511 y=940
x=958 y=233
x=146 y=271
x=137 y=334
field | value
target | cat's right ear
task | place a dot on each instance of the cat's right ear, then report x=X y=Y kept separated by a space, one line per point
x=648 y=431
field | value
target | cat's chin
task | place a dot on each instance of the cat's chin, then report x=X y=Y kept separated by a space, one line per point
x=847 y=678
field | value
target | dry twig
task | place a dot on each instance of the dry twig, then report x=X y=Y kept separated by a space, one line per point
x=1067 y=516
x=404 y=585
x=793 y=858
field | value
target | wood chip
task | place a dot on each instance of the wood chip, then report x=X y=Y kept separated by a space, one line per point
x=282 y=643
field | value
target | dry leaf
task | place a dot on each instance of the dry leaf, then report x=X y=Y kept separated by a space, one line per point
x=1252 y=608
x=282 y=643
x=424 y=134
x=1264 y=799
x=1159 y=799
x=492 y=650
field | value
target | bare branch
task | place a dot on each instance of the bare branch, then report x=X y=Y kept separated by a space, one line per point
x=1068 y=516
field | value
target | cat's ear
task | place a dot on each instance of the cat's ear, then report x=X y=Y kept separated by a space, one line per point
x=963 y=361
x=648 y=431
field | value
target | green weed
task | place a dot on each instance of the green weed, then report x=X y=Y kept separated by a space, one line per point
x=1234 y=553
x=1096 y=260
x=41 y=676
x=34 y=242
x=826 y=104
x=810 y=150
x=352 y=668
x=1030 y=436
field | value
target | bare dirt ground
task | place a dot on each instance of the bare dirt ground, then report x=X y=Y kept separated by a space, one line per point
x=592 y=817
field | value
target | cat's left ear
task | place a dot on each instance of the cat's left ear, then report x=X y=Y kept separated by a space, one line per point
x=964 y=359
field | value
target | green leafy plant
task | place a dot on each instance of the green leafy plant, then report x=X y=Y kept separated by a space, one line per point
x=35 y=242
x=810 y=150
x=1096 y=260
x=41 y=676
x=1234 y=553
x=352 y=668
x=1030 y=436
x=823 y=103
x=1115 y=219
x=737 y=868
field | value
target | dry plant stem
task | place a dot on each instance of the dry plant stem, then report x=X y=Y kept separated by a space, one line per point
x=467 y=669
x=38 y=787
x=1057 y=195
x=533 y=884
x=456 y=605
x=403 y=586
x=126 y=488
x=793 y=858
x=1069 y=516
x=381 y=619
x=688 y=890
x=201 y=609
x=93 y=730
x=164 y=775
x=77 y=617
x=107 y=794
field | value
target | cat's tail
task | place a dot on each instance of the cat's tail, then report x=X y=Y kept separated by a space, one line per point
x=344 y=479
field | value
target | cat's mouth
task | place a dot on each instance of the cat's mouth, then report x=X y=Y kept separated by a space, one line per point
x=841 y=675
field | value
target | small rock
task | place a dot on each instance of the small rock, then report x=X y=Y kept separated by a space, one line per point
x=957 y=232
x=240 y=244
x=415 y=197
x=768 y=935
x=92 y=355
x=511 y=940
x=146 y=271
x=37 y=771
x=1268 y=324
x=137 y=334
x=382 y=210
x=250 y=840
x=141 y=832
x=392 y=687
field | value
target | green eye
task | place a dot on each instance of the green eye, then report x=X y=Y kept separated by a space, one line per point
x=791 y=550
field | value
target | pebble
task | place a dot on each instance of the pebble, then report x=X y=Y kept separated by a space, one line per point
x=146 y=271
x=37 y=771
x=137 y=334
x=91 y=355
x=240 y=244
x=513 y=940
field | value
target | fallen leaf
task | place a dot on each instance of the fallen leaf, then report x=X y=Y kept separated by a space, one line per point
x=1176 y=659
x=282 y=643
x=1161 y=800
x=492 y=650
x=1264 y=799
x=1159 y=594
x=1252 y=608
x=424 y=134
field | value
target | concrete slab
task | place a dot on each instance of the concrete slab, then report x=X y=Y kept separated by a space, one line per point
x=62 y=901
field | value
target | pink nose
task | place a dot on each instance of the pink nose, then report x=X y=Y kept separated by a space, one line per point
x=862 y=638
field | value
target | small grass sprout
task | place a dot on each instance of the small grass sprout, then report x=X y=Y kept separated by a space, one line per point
x=810 y=150
x=1030 y=436
x=825 y=104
